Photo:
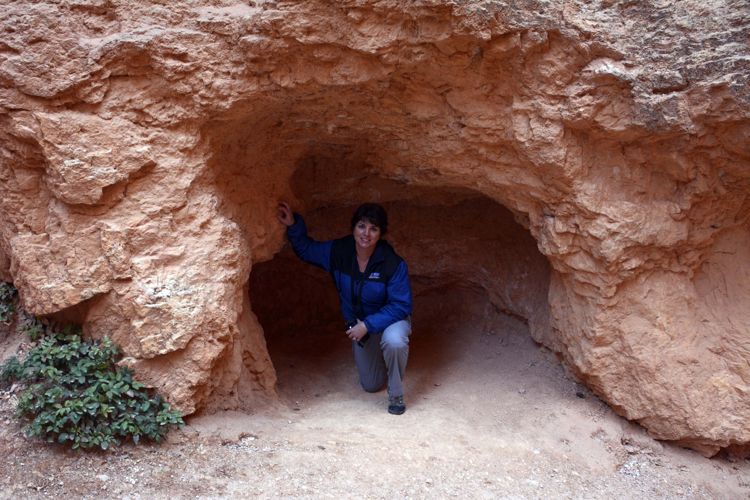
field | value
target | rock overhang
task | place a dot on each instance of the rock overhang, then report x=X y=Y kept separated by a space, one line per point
x=623 y=157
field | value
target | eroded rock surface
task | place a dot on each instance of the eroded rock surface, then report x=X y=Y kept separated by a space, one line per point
x=145 y=145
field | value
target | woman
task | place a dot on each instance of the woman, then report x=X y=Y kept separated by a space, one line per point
x=374 y=291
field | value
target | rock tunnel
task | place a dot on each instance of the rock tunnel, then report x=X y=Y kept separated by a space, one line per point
x=568 y=168
x=470 y=262
x=461 y=245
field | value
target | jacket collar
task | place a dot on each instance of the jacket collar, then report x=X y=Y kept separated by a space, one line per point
x=381 y=250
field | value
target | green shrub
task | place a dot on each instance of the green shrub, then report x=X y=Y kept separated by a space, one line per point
x=75 y=394
x=10 y=371
x=7 y=291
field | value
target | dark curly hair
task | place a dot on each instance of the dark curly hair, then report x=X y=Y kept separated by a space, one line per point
x=374 y=214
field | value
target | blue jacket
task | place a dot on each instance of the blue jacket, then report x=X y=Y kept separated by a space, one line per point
x=380 y=299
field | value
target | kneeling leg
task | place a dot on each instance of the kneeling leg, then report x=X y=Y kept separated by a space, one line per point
x=370 y=365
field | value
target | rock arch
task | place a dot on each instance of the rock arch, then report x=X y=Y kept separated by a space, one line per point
x=143 y=155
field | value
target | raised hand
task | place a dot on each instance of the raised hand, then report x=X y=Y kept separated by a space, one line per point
x=285 y=214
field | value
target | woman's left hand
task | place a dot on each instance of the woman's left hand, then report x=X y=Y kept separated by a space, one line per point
x=357 y=331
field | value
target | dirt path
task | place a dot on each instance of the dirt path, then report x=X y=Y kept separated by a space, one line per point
x=490 y=415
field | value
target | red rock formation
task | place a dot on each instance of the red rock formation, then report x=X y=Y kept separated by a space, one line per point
x=144 y=147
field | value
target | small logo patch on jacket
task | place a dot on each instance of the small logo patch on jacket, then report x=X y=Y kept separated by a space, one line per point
x=374 y=276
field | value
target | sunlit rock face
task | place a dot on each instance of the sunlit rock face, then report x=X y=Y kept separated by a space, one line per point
x=145 y=146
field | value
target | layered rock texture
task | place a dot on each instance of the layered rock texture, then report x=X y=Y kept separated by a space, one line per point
x=145 y=145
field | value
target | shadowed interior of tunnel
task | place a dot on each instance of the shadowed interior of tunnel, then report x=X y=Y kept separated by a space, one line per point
x=474 y=270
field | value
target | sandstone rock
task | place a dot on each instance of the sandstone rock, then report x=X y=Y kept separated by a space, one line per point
x=144 y=148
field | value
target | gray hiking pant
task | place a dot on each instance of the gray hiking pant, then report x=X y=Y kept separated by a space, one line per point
x=383 y=358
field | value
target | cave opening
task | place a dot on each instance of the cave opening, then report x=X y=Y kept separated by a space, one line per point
x=475 y=268
x=476 y=273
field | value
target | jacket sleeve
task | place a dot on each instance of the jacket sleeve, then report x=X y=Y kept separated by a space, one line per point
x=399 y=304
x=314 y=252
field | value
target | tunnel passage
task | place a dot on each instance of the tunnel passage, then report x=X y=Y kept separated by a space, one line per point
x=474 y=270
x=155 y=157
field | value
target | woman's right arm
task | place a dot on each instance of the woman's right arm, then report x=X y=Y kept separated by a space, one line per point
x=306 y=248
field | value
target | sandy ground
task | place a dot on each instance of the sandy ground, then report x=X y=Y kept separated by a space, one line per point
x=490 y=415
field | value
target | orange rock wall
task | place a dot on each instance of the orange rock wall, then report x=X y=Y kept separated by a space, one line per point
x=144 y=147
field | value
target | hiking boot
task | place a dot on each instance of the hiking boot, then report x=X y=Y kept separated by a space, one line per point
x=396 y=405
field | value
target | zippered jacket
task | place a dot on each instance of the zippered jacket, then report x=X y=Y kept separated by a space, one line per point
x=379 y=297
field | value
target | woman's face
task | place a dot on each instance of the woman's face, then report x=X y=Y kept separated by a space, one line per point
x=366 y=235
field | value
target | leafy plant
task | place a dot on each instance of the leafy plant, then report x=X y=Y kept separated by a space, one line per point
x=10 y=371
x=7 y=292
x=75 y=394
